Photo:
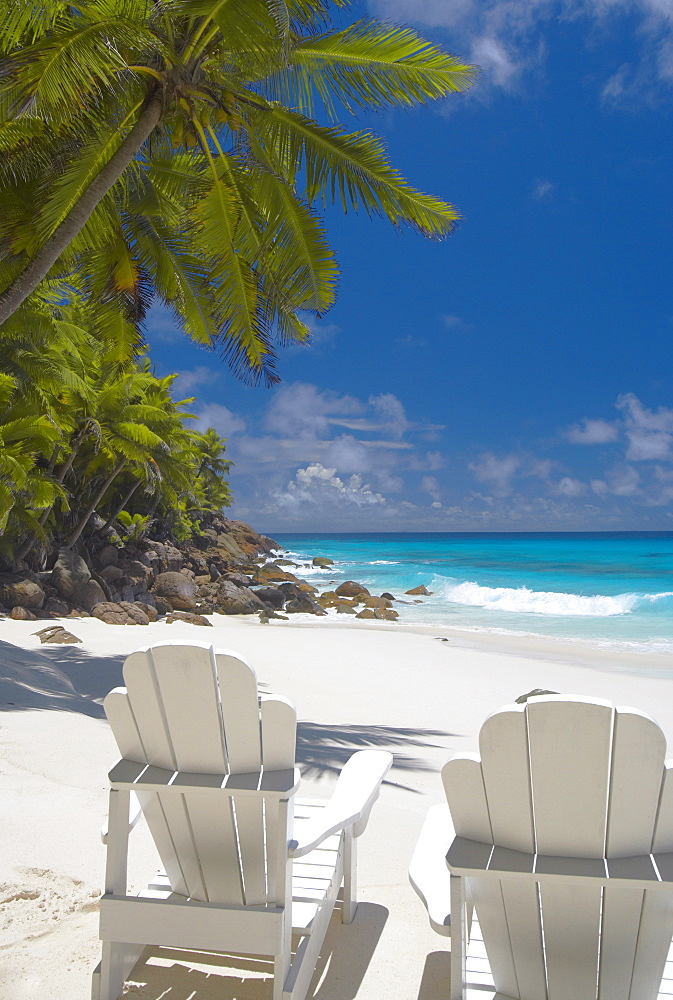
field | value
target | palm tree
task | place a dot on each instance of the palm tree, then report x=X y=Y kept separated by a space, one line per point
x=171 y=149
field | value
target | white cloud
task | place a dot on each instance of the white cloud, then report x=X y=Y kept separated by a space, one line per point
x=299 y=409
x=649 y=432
x=593 y=432
x=499 y=471
x=221 y=419
x=317 y=484
x=570 y=487
x=543 y=189
x=507 y=38
x=191 y=379
x=391 y=412
x=430 y=485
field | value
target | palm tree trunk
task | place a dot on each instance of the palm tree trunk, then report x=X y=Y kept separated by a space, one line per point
x=47 y=255
x=120 y=507
x=94 y=503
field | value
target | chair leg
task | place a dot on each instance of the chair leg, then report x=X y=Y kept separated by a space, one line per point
x=458 y=937
x=116 y=964
x=350 y=901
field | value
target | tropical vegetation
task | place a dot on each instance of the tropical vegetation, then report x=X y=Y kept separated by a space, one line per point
x=171 y=151
x=89 y=440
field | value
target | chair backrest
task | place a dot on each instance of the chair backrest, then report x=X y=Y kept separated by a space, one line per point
x=191 y=708
x=569 y=777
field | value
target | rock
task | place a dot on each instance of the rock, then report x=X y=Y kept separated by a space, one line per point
x=377 y=602
x=178 y=590
x=187 y=616
x=144 y=597
x=69 y=574
x=173 y=558
x=272 y=574
x=523 y=698
x=161 y=604
x=422 y=590
x=107 y=556
x=148 y=609
x=382 y=614
x=351 y=589
x=303 y=605
x=307 y=588
x=322 y=561
x=89 y=595
x=214 y=572
x=271 y=595
x=345 y=609
x=137 y=573
x=21 y=594
x=124 y=613
x=55 y=607
x=388 y=597
x=111 y=573
x=233 y=600
x=56 y=633
x=238 y=578
x=22 y=615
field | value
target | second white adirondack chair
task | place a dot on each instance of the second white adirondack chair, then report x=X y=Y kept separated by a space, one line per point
x=211 y=765
x=564 y=834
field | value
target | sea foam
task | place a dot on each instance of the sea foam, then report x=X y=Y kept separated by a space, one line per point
x=523 y=600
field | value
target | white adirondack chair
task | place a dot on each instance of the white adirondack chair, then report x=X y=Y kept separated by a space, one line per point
x=210 y=763
x=564 y=834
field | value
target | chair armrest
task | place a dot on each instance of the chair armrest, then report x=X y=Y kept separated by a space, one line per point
x=428 y=873
x=135 y=812
x=356 y=791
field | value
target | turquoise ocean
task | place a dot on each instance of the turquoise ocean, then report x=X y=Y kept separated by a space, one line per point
x=610 y=589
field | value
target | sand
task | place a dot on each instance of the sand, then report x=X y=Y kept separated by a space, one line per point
x=422 y=693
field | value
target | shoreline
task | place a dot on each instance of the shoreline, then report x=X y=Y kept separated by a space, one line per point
x=355 y=684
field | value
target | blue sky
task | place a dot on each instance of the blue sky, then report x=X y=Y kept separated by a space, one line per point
x=518 y=375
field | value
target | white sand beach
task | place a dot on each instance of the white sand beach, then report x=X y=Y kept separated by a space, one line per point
x=385 y=686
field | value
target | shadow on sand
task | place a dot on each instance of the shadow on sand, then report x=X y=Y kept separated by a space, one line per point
x=171 y=974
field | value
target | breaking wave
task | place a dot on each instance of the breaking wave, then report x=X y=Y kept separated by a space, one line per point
x=525 y=601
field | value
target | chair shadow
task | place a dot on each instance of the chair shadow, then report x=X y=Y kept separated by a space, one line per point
x=436 y=980
x=173 y=974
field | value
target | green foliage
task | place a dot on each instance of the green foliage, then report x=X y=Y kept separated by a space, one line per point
x=85 y=425
x=211 y=203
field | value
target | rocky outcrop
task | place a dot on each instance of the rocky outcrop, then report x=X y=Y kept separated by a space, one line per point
x=421 y=591
x=22 y=615
x=234 y=600
x=89 y=595
x=322 y=561
x=56 y=634
x=69 y=574
x=178 y=590
x=122 y=613
x=187 y=616
x=21 y=593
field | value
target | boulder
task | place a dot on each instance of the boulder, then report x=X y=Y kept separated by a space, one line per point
x=161 y=604
x=272 y=574
x=388 y=597
x=55 y=607
x=238 y=578
x=107 y=556
x=419 y=591
x=322 y=561
x=345 y=609
x=377 y=602
x=56 y=634
x=137 y=573
x=22 y=615
x=111 y=573
x=233 y=600
x=214 y=572
x=187 y=616
x=271 y=596
x=147 y=609
x=304 y=605
x=178 y=590
x=144 y=597
x=382 y=614
x=89 y=595
x=69 y=574
x=307 y=588
x=21 y=594
x=124 y=613
x=173 y=558
x=351 y=589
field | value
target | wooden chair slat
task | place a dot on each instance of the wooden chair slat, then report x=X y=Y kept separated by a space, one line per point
x=490 y=906
x=620 y=924
x=654 y=938
x=279 y=732
x=570 y=745
x=240 y=712
x=523 y=921
x=212 y=825
x=638 y=752
x=663 y=831
x=571 y=922
x=193 y=722
x=250 y=829
x=463 y=782
x=118 y=710
x=503 y=742
x=147 y=708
